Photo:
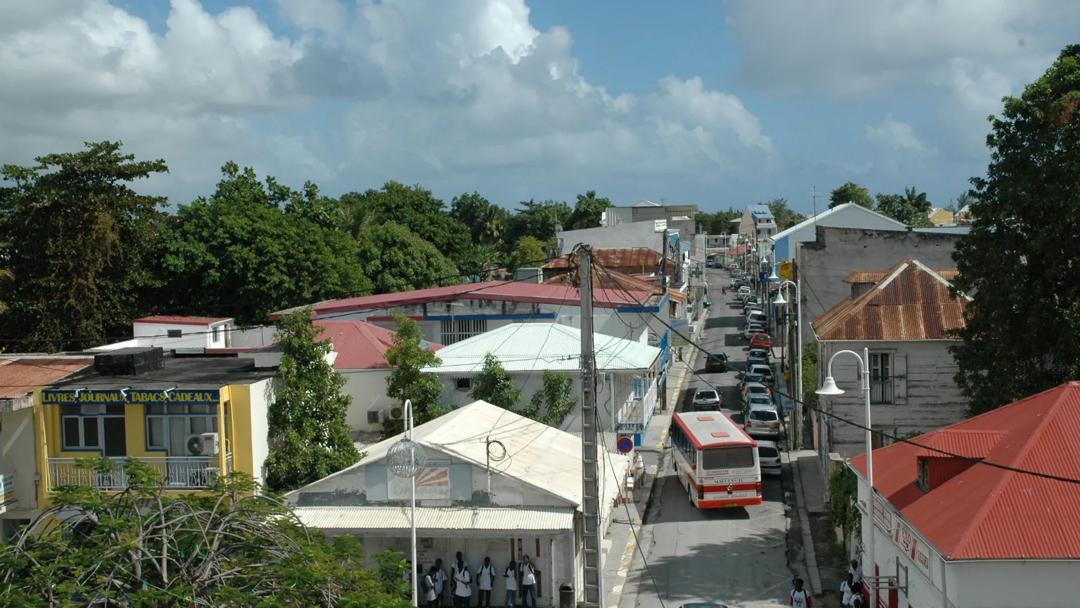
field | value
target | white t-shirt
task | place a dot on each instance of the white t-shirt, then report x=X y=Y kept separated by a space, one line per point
x=440 y=581
x=528 y=576
x=485 y=578
x=462 y=579
x=430 y=595
x=856 y=574
x=845 y=590
x=511 y=579
x=800 y=599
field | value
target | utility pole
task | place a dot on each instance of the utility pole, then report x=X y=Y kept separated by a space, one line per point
x=663 y=292
x=590 y=499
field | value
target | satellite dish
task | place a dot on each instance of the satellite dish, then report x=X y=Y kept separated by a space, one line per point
x=195 y=445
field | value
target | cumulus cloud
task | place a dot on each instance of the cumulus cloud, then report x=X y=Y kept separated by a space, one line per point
x=895 y=135
x=363 y=92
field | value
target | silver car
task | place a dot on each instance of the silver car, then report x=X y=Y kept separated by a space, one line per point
x=769 y=457
x=762 y=421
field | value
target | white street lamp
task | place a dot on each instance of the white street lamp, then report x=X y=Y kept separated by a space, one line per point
x=780 y=301
x=772 y=276
x=829 y=388
x=406 y=458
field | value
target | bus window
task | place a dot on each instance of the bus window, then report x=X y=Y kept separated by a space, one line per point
x=728 y=458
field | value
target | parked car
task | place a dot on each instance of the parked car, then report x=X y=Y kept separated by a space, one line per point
x=743 y=292
x=757 y=356
x=761 y=340
x=716 y=362
x=753 y=329
x=758 y=400
x=762 y=421
x=755 y=316
x=755 y=387
x=707 y=399
x=769 y=457
x=762 y=369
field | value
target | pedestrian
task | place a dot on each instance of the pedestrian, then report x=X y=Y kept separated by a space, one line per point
x=800 y=598
x=462 y=582
x=440 y=582
x=485 y=580
x=511 y=578
x=639 y=467
x=528 y=582
x=845 y=590
x=430 y=598
x=856 y=571
x=857 y=595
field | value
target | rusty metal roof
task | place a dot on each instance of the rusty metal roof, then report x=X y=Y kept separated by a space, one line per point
x=984 y=512
x=20 y=376
x=910 y=302
x=616 y=258
x=873 y=276
x=612 y=279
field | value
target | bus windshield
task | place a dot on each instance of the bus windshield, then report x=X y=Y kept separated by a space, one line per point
x=728 y=458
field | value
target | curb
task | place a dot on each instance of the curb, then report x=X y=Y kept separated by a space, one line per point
x=809 y=555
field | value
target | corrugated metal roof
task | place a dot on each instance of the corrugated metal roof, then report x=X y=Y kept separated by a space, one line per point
x=615 y=258
x=911 y=302
x=359 y=345
x=438 y=520
x=20 y=376
x=972 y=444
x=527 y=347
x=873 y=276
x=613 y=279
x=825 y=218
x=543 y=457
x=761 y=212
x=986 y=512
x=181 y=320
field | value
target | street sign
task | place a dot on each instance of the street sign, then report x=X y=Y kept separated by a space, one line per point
x=625 y=444
x=787 y=270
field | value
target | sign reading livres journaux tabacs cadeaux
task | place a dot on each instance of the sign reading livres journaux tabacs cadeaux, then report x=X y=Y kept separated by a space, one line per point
x=114 y=396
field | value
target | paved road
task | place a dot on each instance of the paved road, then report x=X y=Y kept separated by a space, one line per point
x=735 y=556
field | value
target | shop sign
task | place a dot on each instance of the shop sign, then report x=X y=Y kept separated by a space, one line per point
x=126 y=396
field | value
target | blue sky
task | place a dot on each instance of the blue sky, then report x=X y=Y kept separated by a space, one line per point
x=720 y=104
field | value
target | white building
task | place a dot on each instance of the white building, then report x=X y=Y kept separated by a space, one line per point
x=785 y=244
x=626 y=391
x=758 y=223
x=952 y=532
x=903 y=315
x=177 y=332
x=494 y=485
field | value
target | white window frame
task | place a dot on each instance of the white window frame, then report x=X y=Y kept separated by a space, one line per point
x=178 y=414
x=882 y=378
x=456 y=330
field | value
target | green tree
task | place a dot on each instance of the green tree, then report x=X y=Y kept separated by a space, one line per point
x=80 y=246
x=487 y=222
x=538 y=220
x=1022 y=333
x=231 y=546
x=5 y=274
x=587 y=211
x=851 y=193
x=494 y=386
x=255 y=247
x=529 y=252
x=408 y=355
x=308 y=435
x=396 y=259
x=553 y=402
x=717 y=222
x=785 y=217
x=912 y=207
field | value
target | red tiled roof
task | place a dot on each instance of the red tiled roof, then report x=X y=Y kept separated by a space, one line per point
x=181 y=320
x=988 y=513
x=359 y=345
x=498 y=291
x=19 y=377
x=911 y=302
x=616 y=257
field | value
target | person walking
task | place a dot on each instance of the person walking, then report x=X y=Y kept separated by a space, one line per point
x=800 y=598
x=528 y=582
x=440 y=582
x=856 y=572
x=430 y=598
x=511 y=578
x=485 y=580
x=845 y=591
x=462 y=583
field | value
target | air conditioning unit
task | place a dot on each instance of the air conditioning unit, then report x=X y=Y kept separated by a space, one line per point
x=205 y=444
x=397 y=412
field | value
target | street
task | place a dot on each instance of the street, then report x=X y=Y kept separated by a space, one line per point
x=733 y=556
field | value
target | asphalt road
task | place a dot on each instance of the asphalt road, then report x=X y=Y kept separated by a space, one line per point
x=733 y=556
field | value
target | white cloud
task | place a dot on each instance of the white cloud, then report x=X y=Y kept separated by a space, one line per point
x=404 y=89
x=895 y=135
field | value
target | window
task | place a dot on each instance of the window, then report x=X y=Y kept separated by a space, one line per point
x=373 y=417
x=463 y=384
x=168 y=427
x=639 y=387
x=174 y=333
x=923 y=480
x=881 y=378
x=727 y=458
x=87 y=429
x=216 y=333
x=456 y=330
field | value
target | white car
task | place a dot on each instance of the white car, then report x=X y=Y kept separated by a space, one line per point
x=707 y=399
x=756 y=388
x=759 y=401
x=744 y=292
x=762 y=421
x=760 y=368
x=768 y=457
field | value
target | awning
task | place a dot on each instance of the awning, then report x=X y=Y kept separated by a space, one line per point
x=393 y=521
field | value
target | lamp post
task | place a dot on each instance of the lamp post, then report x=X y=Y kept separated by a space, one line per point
x=780 y=301
x=406 y=458
x=829 y=388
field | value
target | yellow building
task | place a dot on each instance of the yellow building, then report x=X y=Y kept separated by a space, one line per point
x=941 y=217
x=192 y=418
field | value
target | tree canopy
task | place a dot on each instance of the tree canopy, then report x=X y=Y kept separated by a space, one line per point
x=529 y=252
x=912 y=207
x=407 y=356
x=539 y=220
x=784 y=216
x=717 y=222
x=1019 y=261
x=493 y=385
x=587 y=211
x=397 y=259
x=851 y=193
x=308 y=436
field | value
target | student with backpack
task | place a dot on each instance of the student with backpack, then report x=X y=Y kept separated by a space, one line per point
x=428 y=582
x=800 y=598
x=462 y=583
x=511 y=578
x=485 y=580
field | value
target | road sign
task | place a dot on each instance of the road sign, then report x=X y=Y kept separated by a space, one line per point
x=625 y=444
x=787 y=271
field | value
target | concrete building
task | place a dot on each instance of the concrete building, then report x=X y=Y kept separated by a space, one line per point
x=177 y=332
x=495 y=484
x=21 y=378
x=954 y=532
x=904 y=315
x=941 y=217
x=785 y=244
x=758 y=223
x=677 y=217
x=628 y=371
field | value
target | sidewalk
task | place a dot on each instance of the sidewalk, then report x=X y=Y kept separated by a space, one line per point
x=814 y=542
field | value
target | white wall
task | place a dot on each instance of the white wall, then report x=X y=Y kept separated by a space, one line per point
x=262 y=395
x=367 y=387
x=633 y=234
x=18 y=458
x=192 y=336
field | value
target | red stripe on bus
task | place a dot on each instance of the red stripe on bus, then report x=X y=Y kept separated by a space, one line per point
x=730 y=502
x=735 y=487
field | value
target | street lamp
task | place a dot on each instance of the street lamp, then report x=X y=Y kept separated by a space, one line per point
x=406 y=458
x=780 y=301
x=829 y=388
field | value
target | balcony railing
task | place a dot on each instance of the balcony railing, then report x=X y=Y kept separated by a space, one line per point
x=179 y=472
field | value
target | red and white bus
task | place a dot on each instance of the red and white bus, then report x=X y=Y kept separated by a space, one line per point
x=716 y=461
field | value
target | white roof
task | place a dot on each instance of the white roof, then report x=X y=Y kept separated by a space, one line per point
x=527 y=347
x=541 y=456
x=844 y=216
x=437 y=521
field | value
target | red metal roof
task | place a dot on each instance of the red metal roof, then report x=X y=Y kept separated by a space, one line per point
x=359 y=345
x=614 y=279
x=971 y=444
x=637 y=258
x=988 y=513
x=19 y=377
x=910 y=302
x=181 y=320
x=498 y=291
x=873 y=276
